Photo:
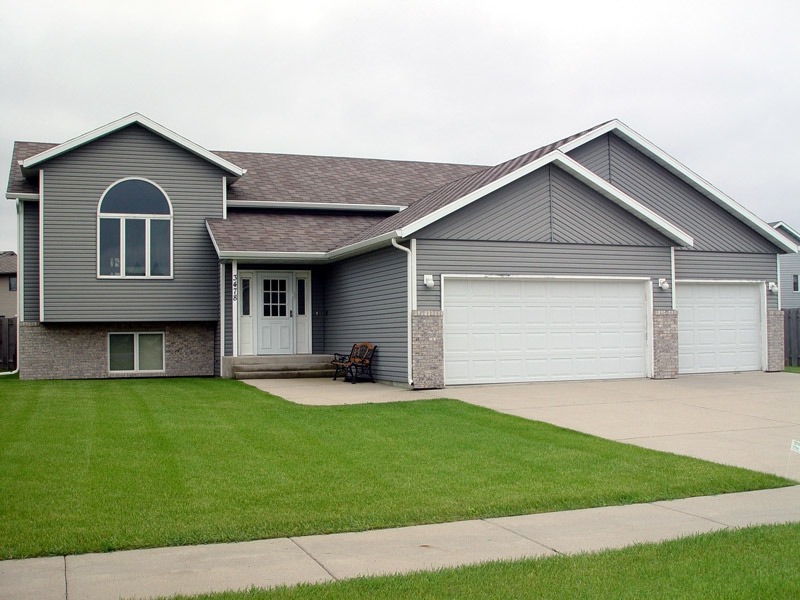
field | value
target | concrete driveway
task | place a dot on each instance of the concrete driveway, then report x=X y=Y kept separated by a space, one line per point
x=744 y=419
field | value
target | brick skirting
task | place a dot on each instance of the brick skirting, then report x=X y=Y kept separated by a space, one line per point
x=80 y=350
x=427 y=349
x=665 y=344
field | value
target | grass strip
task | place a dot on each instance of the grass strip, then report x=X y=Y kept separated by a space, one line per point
x=759 y=562
x=93 y=466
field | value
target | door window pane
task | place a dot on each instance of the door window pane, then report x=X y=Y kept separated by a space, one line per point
x=301 y=297
x=109 y=247
x=151 y=352
x=134 y=247
x=245 y=297
x=120 y=352
x=159 y=247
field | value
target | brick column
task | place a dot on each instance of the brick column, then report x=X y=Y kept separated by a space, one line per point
x=776 y=358
x=665 y=344
x=427 y=349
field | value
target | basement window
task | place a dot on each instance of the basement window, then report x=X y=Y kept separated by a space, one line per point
x=136 y=352
x=795 y=286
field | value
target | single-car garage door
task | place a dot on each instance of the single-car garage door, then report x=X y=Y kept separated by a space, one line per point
x=719 y=327
x=513 y=330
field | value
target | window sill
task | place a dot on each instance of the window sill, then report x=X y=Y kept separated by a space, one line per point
x=163 y=277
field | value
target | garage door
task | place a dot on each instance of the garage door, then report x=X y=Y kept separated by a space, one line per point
x=719 y=327
x=512 y=330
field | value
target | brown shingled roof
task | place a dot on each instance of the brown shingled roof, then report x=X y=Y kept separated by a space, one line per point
x=288 y=231
x=295 y=178
x=17 y=184
x=8 y=263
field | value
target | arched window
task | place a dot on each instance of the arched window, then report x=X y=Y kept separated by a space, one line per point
x=134 y=231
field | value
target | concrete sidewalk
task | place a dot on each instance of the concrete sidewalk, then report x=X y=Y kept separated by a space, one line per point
x=321 y=558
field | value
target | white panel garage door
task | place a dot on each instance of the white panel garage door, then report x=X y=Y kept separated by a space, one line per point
x=511 y=330
x=719 y=327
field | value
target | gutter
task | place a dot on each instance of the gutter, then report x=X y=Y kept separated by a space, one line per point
x=410 y=277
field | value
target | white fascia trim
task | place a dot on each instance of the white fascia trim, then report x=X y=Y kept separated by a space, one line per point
x=363 y=246
x=316 y=206
x=134 y=118
x=449 y=209
x=272 y=256
x=623 y=200
x=788 y=229
x=30 y=196
x=213 y=241
x=688 y=176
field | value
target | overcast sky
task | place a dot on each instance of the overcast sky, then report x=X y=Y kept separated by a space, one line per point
x=713 y=83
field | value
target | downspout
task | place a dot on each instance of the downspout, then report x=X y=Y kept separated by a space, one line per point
x=19 y=287
x=411 y=302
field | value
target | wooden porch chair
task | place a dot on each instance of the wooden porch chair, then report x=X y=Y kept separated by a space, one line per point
x=357 y=364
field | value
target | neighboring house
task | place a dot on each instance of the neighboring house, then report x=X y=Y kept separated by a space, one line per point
x=8 y=284
x=789 y=269
x=598 y=256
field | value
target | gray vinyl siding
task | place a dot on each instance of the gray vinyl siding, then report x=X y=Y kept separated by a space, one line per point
x=30 y=258
x=789 y=265
x=712 y=228
x=317 y=312
x=595 y=156
x=73 y=185
x=228 y=309
x=548 y=205
x=728 y=266
x=503 y=258
x=366 y=300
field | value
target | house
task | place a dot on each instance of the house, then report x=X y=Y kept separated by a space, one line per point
x=8 y=284
x=789 y=266
x=597 y=256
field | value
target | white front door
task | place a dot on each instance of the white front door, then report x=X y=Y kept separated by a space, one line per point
x=275 y=313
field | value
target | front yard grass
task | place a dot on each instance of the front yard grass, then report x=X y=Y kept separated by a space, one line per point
x=792 y=369
x=90 y=466
x=759 y=562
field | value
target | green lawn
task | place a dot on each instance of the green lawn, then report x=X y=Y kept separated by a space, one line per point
x=107 y=465
x=758 y=563
x=793 y=369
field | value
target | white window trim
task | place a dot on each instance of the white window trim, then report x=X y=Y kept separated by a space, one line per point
x=795 y=278
x=136 y=335
x=147 y=218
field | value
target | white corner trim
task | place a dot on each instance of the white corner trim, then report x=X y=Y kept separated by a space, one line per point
x=672 y=276
x=221 y=312
x=134 y=118
x=235 y=308
x=224 y=197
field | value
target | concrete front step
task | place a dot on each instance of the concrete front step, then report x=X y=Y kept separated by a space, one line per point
x=279 y=366
x=282 y=374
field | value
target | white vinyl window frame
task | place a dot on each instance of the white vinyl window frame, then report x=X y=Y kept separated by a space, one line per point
x=148 y=219
x=136 y=357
